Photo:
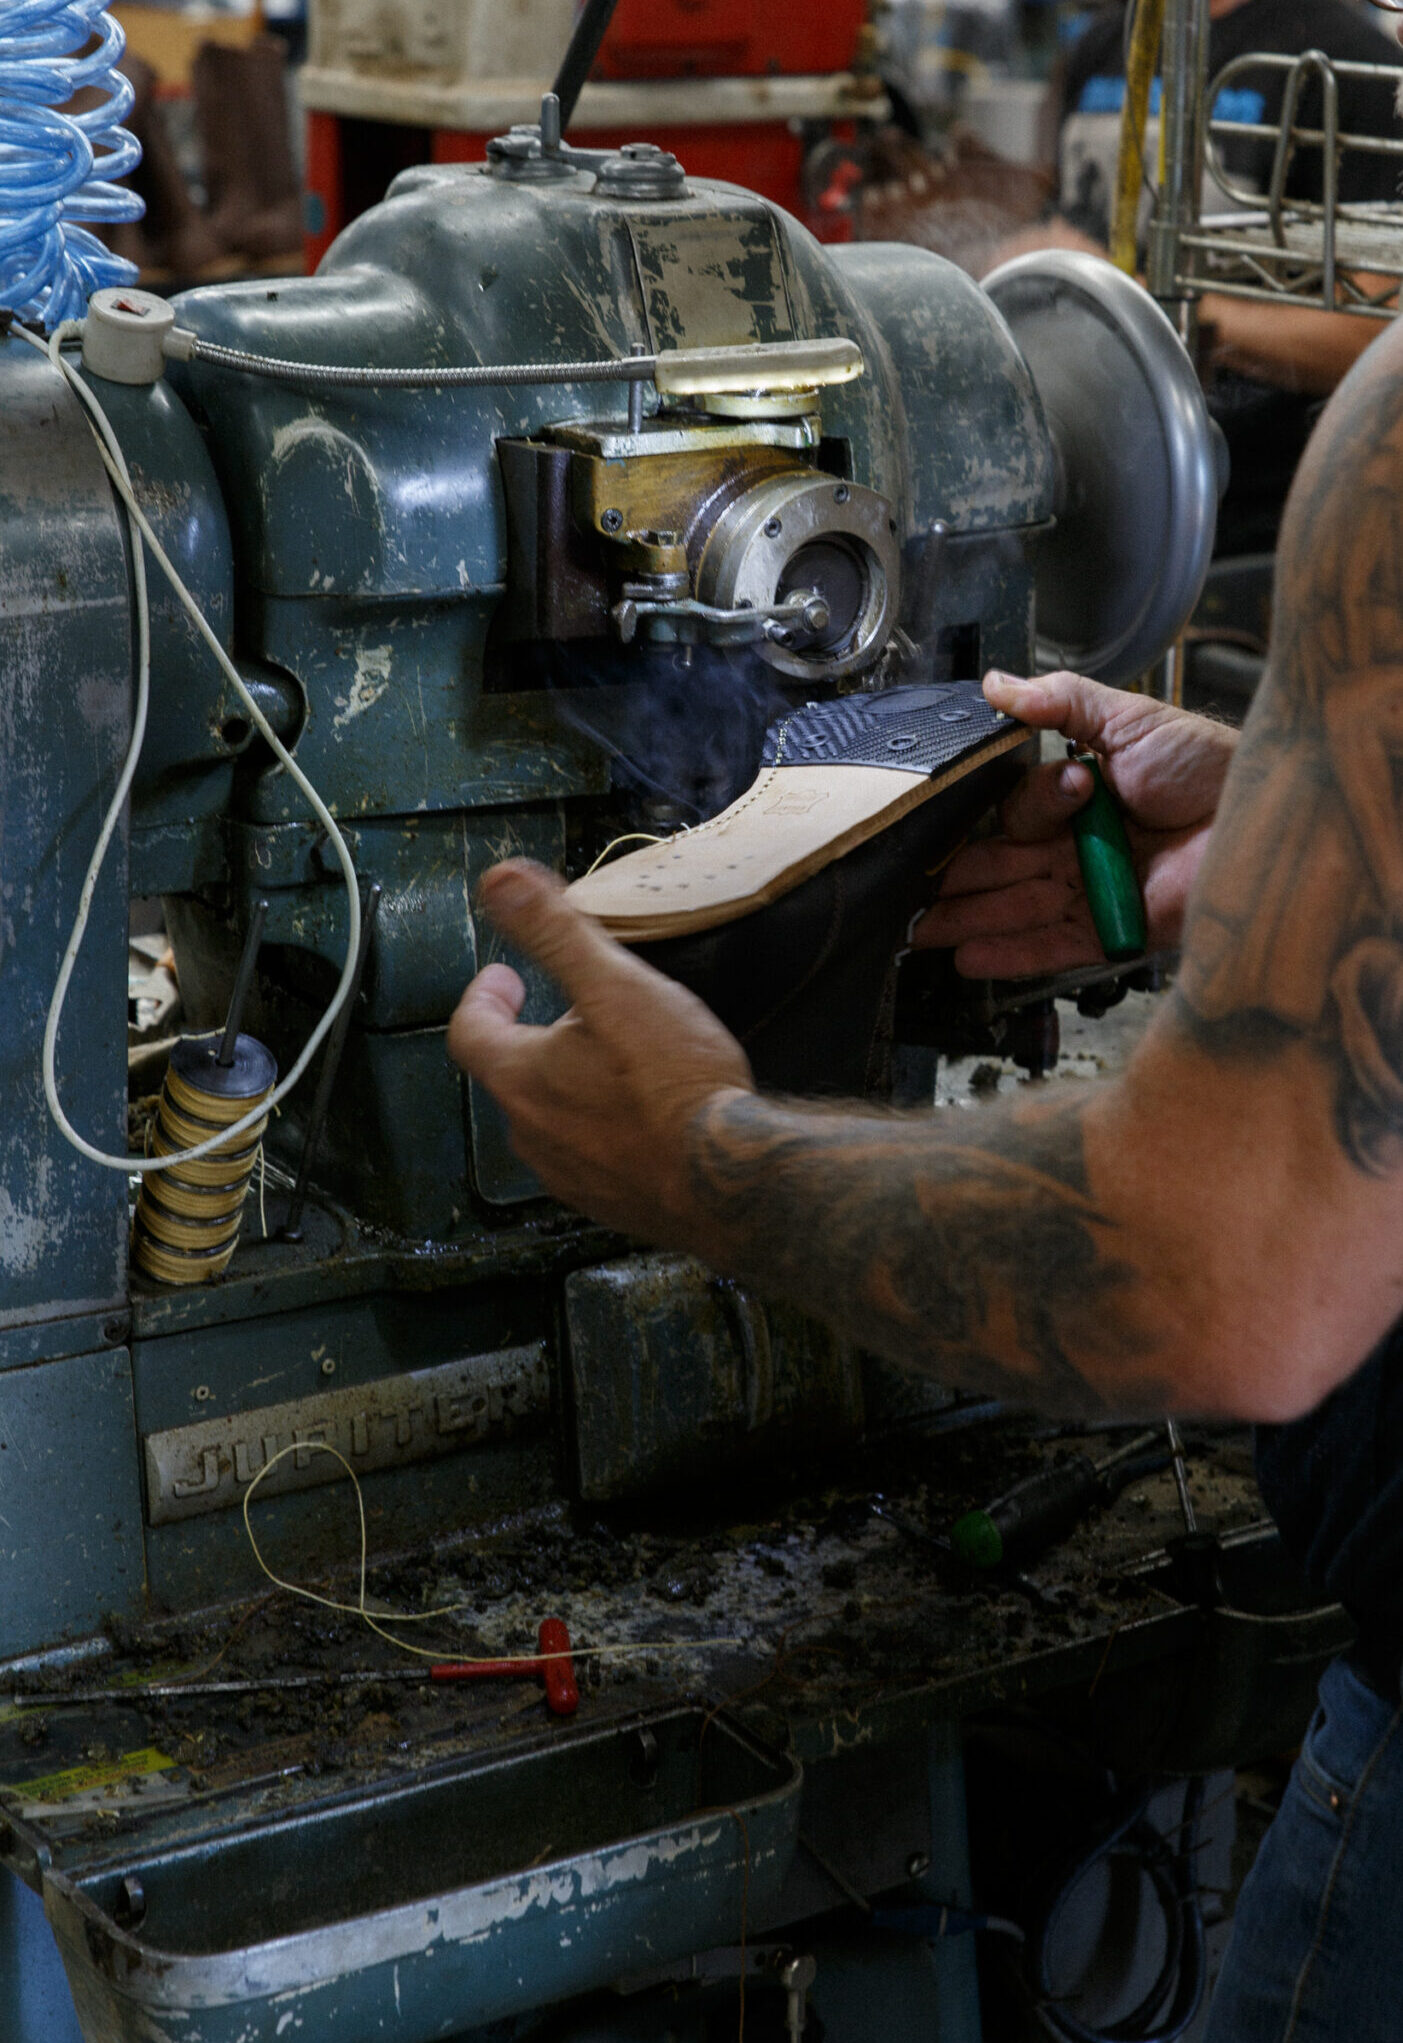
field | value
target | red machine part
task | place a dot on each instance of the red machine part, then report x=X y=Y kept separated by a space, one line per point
x=349 y=162
x=728 y=39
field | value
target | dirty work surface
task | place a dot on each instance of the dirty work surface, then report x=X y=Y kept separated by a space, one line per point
x=848 y=1631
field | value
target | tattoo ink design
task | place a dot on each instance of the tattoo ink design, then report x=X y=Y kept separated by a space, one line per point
x=1296 y=931
x=976 y=1247
x=976 y=1252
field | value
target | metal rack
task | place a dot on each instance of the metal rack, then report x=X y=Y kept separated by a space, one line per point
x=1271 y=248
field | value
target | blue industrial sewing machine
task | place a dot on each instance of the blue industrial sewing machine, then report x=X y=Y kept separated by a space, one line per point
x=499 y=617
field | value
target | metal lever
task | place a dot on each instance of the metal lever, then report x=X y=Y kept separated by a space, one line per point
x=243 y=979
x=806 y=610
x=1181 y=1479
x=291 y=1229
x=757 y=365
x=578 y=61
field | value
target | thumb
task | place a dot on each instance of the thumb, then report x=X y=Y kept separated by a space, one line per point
x=1085 y=711
x=528 y=905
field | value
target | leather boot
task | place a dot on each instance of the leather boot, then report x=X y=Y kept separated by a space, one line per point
x=176 y=234
x=807 y=983
x=786 y=912
x=241 y=109
x=276 y=228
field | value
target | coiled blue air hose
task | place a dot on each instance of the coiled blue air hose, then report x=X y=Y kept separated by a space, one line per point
x=59 y=168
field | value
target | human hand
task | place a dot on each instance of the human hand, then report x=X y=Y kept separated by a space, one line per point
x=1014 y=906
x=599 y=1104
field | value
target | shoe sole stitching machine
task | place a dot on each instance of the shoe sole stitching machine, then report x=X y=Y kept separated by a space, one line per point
x=514 y=611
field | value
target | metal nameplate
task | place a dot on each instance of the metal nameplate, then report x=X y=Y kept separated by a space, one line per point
x=390 y=1423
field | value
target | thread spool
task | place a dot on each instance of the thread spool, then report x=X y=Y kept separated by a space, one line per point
x=188 y=1217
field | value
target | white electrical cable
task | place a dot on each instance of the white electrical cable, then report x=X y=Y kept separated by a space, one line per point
x=142 y=536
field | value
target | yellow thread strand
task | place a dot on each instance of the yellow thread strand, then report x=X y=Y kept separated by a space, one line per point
x=187 y=1225
x=629 y=837
x=757 y=788
x=358 y=1608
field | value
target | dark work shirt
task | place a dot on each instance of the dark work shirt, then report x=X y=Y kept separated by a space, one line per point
x=1266 y=427
x=1334 y=1484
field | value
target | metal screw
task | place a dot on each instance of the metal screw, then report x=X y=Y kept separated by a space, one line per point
x=115 y=1330
x=329 y=1366
x=612 y=521
x=773 y=528
x=841 y=494
x=635 y=393
x=918 y=1865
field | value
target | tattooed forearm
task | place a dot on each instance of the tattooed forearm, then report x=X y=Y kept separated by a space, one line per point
x=976 y=1252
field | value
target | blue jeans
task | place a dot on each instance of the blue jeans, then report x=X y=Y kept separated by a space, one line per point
x=1317 y=1946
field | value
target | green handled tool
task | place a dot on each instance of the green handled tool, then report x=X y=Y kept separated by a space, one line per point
x=1108 y=870
x=1044 y=1509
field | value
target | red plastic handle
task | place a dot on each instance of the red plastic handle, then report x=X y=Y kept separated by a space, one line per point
x=558 y=1673
x=484 y=1670
x=555 y=1668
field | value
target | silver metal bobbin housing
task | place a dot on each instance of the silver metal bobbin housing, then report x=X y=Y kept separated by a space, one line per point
x=790 y=534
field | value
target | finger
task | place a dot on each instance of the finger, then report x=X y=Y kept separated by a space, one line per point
x=484 y=1032
x=1062 y=949
x=1045 y=801
x=528 y=906
x=993 y=862
x=500 y=983
x=1036 y=905
x=1087 y=712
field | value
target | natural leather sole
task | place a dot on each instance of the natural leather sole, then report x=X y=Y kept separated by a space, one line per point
x=838 y=774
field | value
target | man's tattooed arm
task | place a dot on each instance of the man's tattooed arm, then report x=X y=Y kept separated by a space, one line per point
x=1296 y=930
x=1224 y=1228
x=981 y=1257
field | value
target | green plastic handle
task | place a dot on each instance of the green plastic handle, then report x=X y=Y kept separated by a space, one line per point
x=1108 y=871
x=977 y=1541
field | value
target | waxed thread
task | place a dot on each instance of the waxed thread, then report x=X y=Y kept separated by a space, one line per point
x=358 y=1608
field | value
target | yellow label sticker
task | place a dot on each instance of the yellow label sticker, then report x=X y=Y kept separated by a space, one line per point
x=106 y=1773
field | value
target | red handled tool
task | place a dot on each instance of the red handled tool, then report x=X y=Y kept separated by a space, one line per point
x=555 y=1667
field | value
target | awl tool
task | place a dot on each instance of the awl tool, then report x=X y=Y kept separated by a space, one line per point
x=553 y=1665
x=1108 y=869
x=1040 y=1512
x=942 y=1544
